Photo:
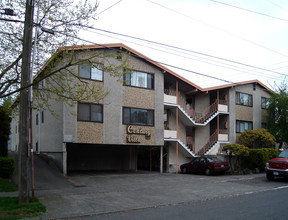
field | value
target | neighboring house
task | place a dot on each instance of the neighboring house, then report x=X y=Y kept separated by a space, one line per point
x=153 y=119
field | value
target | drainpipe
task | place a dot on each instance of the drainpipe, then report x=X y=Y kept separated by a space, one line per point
x=177 y=126
x=218 y=115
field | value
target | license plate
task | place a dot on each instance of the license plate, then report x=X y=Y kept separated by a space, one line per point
x=222 y=165
x=276 y=173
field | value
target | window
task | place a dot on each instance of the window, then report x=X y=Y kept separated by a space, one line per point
x=42 y=116
x=135 y=116
x=244 y=99
x=139 y=79
x=264 y=103
x=90 y=112
x=91 y=71
x=242 y=126
x=37 y=119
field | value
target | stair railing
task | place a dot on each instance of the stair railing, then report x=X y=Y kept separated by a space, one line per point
x=190 y=143
x=211 y=141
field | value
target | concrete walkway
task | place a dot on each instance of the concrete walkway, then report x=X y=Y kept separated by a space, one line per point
x=91 y=194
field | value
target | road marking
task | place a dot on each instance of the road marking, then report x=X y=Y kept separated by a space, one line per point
x=280 y=187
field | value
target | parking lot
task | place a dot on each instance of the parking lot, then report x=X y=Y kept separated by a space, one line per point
x=82 y=194
x=91 y=194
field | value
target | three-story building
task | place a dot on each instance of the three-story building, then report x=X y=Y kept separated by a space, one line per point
x=152 y=119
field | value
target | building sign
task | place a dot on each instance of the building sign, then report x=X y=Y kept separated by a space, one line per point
x=134 y=133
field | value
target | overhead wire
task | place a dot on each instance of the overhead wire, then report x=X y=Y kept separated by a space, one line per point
x=212 y=62
x=248 y=10
x=219 y=29
x=109 y=7
x=162 y=63
x=189 y=51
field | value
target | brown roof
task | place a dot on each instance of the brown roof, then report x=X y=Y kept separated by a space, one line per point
x=165 y=69
x=238 y=84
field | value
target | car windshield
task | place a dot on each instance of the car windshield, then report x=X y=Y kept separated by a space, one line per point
x=283 y=154
x=213 y=159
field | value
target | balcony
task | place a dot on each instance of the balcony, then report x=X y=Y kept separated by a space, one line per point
x=170 y=97
x=170 y=134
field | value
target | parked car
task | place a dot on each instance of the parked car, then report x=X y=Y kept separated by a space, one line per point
x=208 y=165
x=277 y=167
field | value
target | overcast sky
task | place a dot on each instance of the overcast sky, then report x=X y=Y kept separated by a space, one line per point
x=215 y=37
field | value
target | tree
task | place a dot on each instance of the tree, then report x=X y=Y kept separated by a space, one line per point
x=5 y=127
x=277 y=119
x=259 y=138
x=64 y=17
x=238 y=150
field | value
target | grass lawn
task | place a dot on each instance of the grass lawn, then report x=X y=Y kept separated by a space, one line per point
x=6 y=185
x=10 y=207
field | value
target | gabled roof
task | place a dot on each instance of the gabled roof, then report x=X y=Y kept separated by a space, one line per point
x=135 y=53
x=255 y=81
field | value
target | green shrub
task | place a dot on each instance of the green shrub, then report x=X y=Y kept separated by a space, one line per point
x=7 y=166
x=259 y=138
x=258 y=157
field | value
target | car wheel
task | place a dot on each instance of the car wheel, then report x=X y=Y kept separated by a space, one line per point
x=270 y=176
x=184 y=170
x=207 y=171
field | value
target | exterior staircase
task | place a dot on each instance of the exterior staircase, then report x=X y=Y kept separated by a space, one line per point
x=212 y=141
x=207 y=115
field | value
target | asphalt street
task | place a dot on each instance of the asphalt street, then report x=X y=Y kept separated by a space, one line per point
x=100 y=195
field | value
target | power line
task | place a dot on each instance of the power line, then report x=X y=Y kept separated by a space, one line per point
x=245 y=9
x=134 y=55
x=214 y=63
x=219 y=29
x=109 y=7
x=186 y=50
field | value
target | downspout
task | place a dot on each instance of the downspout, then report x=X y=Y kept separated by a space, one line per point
x=177 y=126
x=218 y=115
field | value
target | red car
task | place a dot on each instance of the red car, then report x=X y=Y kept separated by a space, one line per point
x=207 y=165
x=277 y=167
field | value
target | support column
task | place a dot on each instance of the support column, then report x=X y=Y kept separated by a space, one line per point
x=161 y=159
x=64 y=155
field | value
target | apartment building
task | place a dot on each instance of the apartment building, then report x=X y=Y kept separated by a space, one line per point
x=153 y=119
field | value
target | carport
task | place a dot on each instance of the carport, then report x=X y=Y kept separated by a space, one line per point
x=100 y=157
x=97 y=157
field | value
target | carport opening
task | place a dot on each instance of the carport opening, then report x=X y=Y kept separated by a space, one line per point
x=148 y=158
x=91 y=157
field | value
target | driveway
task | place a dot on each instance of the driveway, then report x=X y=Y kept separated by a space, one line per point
x=91 y=194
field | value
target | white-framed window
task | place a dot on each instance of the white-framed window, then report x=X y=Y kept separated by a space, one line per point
x=139 y=79
x=90 y=112
x=242 y=126
x=137 y=116
x=92 y=71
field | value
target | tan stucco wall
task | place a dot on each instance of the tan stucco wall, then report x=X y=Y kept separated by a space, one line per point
x=138 y=98
x=244 y=113
x=89 y=132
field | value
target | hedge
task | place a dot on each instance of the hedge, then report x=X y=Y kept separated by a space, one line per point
x=7 y=166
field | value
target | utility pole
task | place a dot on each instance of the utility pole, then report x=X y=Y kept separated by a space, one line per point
x=23 y=154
